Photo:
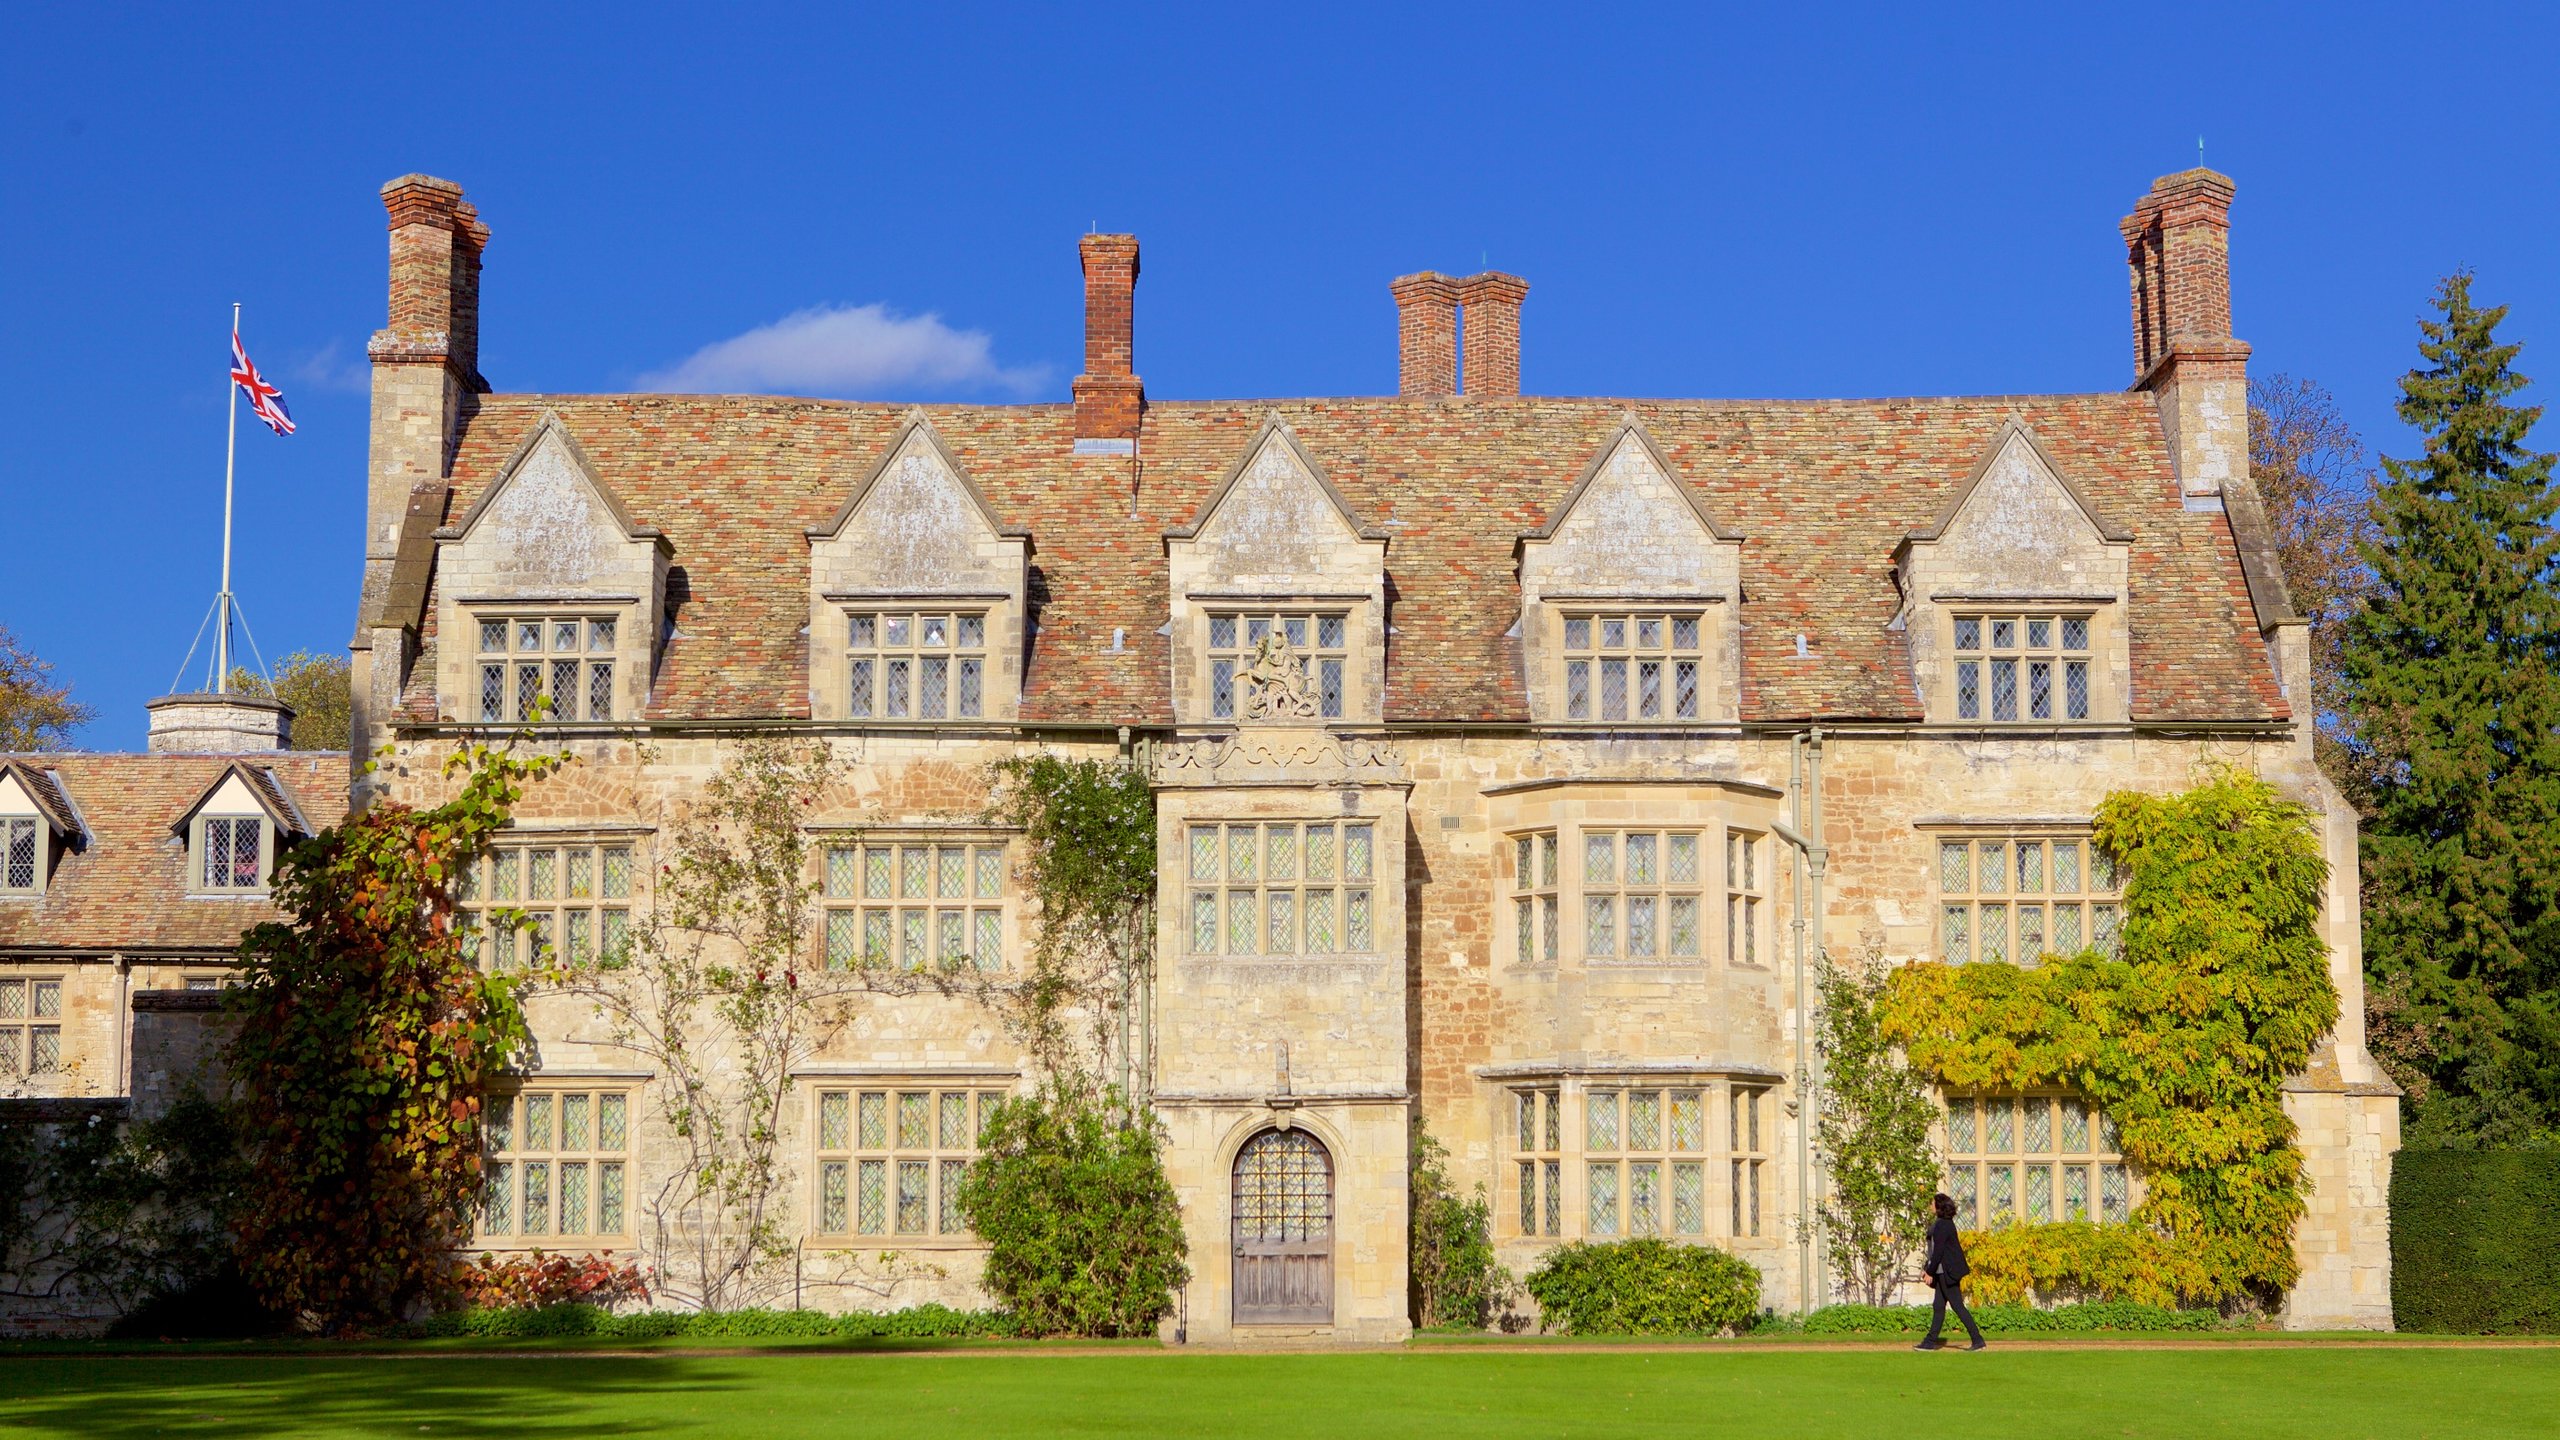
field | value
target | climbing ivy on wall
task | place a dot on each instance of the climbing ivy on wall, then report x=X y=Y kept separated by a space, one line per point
x=2186 y=1040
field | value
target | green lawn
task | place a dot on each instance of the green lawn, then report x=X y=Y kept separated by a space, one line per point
x=2342 y=1393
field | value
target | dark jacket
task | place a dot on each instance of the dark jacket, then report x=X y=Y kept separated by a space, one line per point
x=1945 y=1263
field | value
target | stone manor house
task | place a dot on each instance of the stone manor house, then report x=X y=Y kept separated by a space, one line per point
x=1514 y=757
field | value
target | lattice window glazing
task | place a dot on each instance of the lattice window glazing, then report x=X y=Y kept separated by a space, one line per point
x=22 y=854
x=2033 y=1159
x=30 y=1027
x=1746 y=894
x=1537 y=1135
x=1282 y=888
x=915 y=665
x=1646 y=666
x=1308 y=655
x=1534 y=905
x=890 y=1161
x=231 y=853
x=1283 y=1188
x=559 y=1166
x=526 y=660
x=2015 y=898
x=916 y=904
x=1747 y=1142
x=2022 y=668
x=1644 y=1162
x=571 y=904
x=1642 y=895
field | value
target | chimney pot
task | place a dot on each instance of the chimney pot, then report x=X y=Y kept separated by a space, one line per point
x=1426 y=334
x=1110 y=398
x=2178 y=254
x=1492 y=356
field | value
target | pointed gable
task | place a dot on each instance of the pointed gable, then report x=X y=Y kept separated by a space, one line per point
x=1275 y=514
x=915 y=520
x=243 y=789
x=2019 y=512
x=549 y=525
x=29 y=790
x=1632 y=525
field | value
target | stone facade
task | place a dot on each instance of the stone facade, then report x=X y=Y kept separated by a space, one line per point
x=1701 y=668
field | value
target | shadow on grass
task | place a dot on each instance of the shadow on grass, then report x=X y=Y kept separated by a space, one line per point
x=205 y=1396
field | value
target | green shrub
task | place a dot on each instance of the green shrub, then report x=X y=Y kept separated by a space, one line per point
x=1083 y=1231
x=2011 y=1319
x=2475 y=1241
x=551 y=1322
x=1644 y=1287
x=1456 y=1279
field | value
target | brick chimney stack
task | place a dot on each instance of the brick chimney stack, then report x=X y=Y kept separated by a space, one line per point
x=1426 y=335
x=1110 y=398
x=2178 y=252
x=426 y=369
x=1492 y=305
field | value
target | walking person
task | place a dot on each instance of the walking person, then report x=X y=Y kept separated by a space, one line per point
x=1946 y=1268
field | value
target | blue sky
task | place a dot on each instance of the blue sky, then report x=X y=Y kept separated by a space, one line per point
x=1743 y=201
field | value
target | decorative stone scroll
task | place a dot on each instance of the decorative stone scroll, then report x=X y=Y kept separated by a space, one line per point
x=1277 y=757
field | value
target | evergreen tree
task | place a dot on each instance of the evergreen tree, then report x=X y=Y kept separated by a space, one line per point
x=2450 y=671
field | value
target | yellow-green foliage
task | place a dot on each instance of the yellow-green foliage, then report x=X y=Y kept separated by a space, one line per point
x=2186 y=1041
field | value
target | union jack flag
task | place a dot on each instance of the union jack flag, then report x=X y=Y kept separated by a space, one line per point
x=265 y=400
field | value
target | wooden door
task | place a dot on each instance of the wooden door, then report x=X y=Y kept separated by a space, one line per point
x=1283 y=1230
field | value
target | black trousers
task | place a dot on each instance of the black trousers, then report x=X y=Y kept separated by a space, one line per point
x=1944 y=1293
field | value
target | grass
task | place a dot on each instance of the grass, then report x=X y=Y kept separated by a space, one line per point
x=2340 y=1393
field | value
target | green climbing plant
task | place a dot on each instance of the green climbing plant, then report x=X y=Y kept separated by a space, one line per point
x=2186 y=1039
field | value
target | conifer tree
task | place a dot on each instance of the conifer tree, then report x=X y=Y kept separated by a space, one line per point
x=2453 y=672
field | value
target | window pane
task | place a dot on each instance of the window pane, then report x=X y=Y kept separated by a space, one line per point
x=1280 y=852
x=2036 y=1116
x=1222 y=632
x=1689 y=1199
x=1577 y=632
x=1242 y=853
x=2039 y=633
x=1601 y=1200
x=1528 y=1197
x=1600 y=925
x=1640 y=926
x=2075 y=634
x=872 y=1199
x=1641 y=849
x=1644 y=1199
x=1688 y=1121
x=1968 y=633
x=898 y=700
x=1644 y=1120
x=1969 y=690
x=1577 y=689
x=1684 y=925
x=2040 y=690
x=1999 y=1126
x=831 y=1198
x=1319 y=853
x=1355 y=851
x=2075 y=690
x=2075 y=1126
x=835 y=1120
x=1329 y=688
x=1281 y=933
x=2003 y=1205
x=1992 y=943
x=1204 y=922
x=1600 y=1121
x=858 y=699
x=1599 y=859
x=1242 y=923
x=951 y=1126
x=1649 y=689
x=1319 y=907
x=2039 y=1194
x=2075 y=1192
x=1955 y=934
x=952 y=1222
x=574 y=1199
x=1613 y=689
x=493 y=636
x=1961 y=1138
x=872 y=1111
x=1684 y=689
x=1355 y=922
x=2066 y=867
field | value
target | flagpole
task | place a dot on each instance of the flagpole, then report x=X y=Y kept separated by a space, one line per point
x=230 y=456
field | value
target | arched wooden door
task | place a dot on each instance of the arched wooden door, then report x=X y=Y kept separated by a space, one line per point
x=1284 y=1230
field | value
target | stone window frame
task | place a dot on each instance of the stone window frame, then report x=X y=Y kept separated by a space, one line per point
x=594 y=665
x=1608 y=880
x=1998 y=1149
x=1232 y=633
x=1984 y=636
x=574 y=928
x=29 y=1049
x=1748 y=856
x=26 y=849
x=1551 y=1176
x=1573 y=808
x=841 y=1150
x=201 y=832
x=1350 y=885
x=846 y=904
x=872 y=653
x=607 y=1174
x=1964 y=918
x=1582 y=670
x=1536 y=919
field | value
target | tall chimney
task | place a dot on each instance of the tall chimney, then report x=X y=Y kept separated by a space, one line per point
x=426 y=367
x=2178 y=254
x=1492 y=302
x=1110 y=399
x=1426 y=334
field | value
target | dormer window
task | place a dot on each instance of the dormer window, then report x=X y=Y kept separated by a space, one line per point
x=527 y=660
x=1278 y=666
x=1640 y=666
x=916 y=665
x=22 y=855
x=2022 y=668
x=232 y=853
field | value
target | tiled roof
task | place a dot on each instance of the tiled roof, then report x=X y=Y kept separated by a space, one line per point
x=1821 y=491
x=126 y=889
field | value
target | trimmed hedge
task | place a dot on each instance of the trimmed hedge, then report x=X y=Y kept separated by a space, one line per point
x=1644 y=1287
x=2011 y=1319
x=2475 y=1241
x=550 y=1322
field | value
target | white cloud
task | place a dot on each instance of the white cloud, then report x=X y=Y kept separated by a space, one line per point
x=853 y=352
x=329 y=368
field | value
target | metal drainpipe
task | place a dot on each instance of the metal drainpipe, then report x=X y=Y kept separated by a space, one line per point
x=1804 y=775
x=1128 y=999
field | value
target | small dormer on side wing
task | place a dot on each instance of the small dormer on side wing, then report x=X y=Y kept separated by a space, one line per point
x=235 y=829
x=917 y=595
x=38 y=823
x=551 y=598
x=1278 y=596
x=2014 y=597
x=1628 y=597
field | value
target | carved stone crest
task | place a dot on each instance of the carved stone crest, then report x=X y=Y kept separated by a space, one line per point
x=1277 y=685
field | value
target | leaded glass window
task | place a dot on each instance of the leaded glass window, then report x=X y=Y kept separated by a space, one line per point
x=890 y=1161
x=1645 y=1162
x=2030 y=1159
x=22 y=854
x=915 y=664
x=1748 y=1141
x=231 y=852
x=30 y=1026
x=1642 y=894
x=567 y=903
x=558 y=1167
x=915 y=904
x=1746 y=891
x=1279 y=666
x=1281 y=888
x=2022 y=669
x=554 y=667
x=1535 y=880
x=1537 y=1135
x=2020 y=897
x=1634 y=667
